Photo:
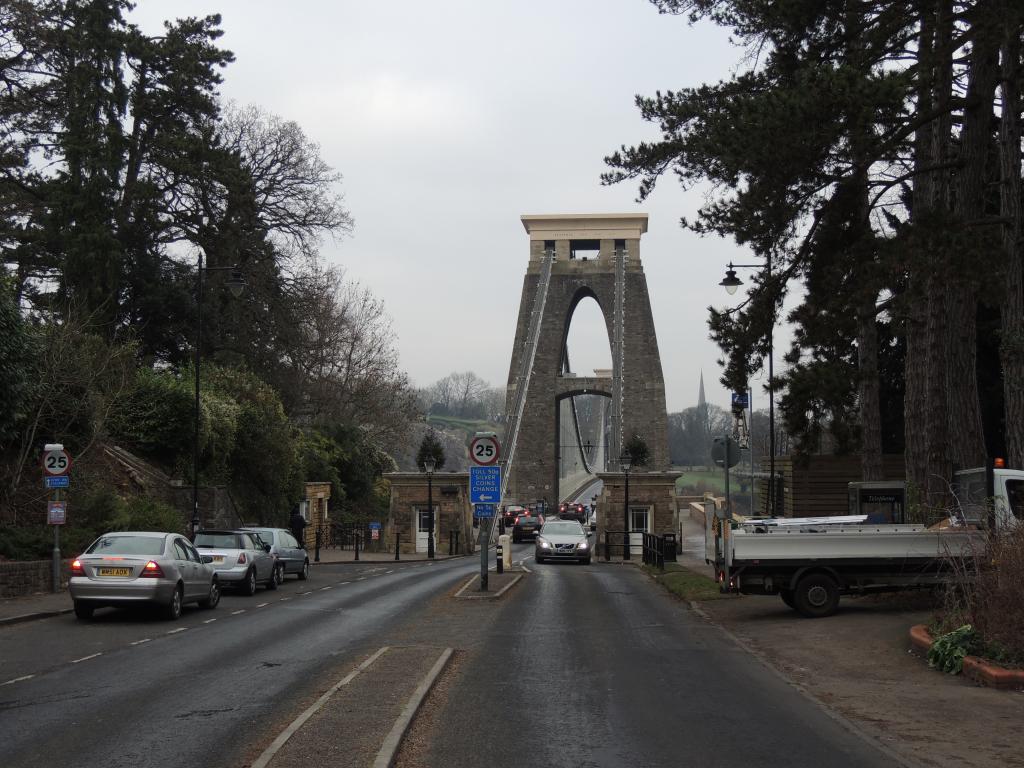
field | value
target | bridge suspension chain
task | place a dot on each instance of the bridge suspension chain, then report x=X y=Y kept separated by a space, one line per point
x=526 y=365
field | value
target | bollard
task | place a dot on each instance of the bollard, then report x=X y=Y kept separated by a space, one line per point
x=499 y=554
x=316 y=557
x=458 y=546
x=607 y=551
x=355 y=540
x=397 y=543
x=451 y=538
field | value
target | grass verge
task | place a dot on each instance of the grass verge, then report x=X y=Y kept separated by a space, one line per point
x=684 y=583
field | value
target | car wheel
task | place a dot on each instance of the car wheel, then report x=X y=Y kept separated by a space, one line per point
x=273 y=581
x=538 y=558
x=249 y=585
x=172 y=610
x=304 y=573
x=84 y=610
x=816 y=596
x=214 y=597
x=516 y=539
x=585 y=561
x=279 y=574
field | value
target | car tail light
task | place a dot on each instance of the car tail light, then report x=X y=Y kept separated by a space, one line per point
x=241 y=558
x=152 y=571
x=77 y=569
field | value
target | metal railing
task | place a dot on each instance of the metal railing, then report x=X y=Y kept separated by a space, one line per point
x=656 y=549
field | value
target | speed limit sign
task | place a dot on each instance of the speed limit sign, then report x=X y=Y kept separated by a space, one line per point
x=484 y=450
x=56 y=461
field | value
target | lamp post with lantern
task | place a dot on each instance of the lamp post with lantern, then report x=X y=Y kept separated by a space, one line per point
x=731 y=283
x=626 y=462
x=428 y=468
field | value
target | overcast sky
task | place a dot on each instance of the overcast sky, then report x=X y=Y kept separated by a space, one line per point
x=448 y=120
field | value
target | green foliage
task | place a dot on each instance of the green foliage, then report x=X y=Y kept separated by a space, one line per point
x=948 y=651
x=16 y=353
x=155 y=418
x=637 y=451
x=430 y=448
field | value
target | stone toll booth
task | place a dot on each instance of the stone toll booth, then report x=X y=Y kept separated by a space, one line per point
x=573 y=257
x=653 y=506
x=452 y=512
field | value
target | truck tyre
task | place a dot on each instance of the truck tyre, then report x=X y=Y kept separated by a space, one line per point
x=816 y=596
x=787 y=597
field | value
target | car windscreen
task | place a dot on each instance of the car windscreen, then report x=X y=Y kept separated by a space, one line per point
x=526 y=520
x=127 y=545
x=563 y=529
x=222 y=540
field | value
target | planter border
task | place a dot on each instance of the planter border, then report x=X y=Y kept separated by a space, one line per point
x=976 y=669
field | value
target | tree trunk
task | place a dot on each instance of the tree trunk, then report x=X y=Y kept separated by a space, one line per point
x=868 y=392
x=1012 y=347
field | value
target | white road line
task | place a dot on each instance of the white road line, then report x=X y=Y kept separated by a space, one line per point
x=344 y=582
x=268 y=754
x=261 y=605
x=209 y=621
x=523 y=566
x=323 y=588
x=86 y=658
x=301 y=594
x=387 y=572
x=145 y=640
x=235 y=613
x=18 y=680
x=176 y=631
x=361 y=578
x=284 y=599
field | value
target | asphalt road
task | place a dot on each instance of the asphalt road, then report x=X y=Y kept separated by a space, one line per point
x=575 y=666
x=131 y=690
x=596 y=666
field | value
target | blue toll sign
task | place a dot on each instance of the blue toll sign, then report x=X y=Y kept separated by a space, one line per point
x=485 y=510
x=484 y=485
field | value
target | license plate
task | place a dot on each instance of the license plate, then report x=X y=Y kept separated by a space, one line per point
x=115 y=571
x=217 y=559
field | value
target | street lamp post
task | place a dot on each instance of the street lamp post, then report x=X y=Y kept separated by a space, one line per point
x=428 y=467
x=625 y=461
x=236 y=283
x=731 y=283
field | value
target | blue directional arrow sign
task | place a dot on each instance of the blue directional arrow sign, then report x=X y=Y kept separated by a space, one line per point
x=484 y=485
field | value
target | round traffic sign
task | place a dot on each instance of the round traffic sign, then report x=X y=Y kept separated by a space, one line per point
x=56 y=462
x=484 y=450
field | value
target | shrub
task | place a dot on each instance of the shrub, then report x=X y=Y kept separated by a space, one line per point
x=948 y=651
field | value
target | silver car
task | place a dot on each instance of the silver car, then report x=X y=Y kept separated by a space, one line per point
x=241 y=559
x=290 y=555
x=124 y=568
x=562 y=540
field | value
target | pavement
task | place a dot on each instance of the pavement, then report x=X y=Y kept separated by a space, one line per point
x=41 y=605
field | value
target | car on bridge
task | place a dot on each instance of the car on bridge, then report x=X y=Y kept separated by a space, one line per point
x=526 y=527
x=562 y=540
x=573 y=511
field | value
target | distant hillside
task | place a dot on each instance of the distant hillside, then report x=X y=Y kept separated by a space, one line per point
x=454 y=434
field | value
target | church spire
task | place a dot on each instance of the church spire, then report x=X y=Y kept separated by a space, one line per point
x=701 y=402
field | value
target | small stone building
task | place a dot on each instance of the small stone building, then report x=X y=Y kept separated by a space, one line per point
x=653 y=507
x=408 y=514
x=316 y=510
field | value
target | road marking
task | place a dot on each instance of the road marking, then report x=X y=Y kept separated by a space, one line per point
x=387 y=572
x=235 y=613
x=523 y=566
x=268 y=754
x=386 y=756
x=209 y=621
x=323 y=588
x=344 y=582
x=145 y=640
x=261 y=605
x=86 y=658
x=18 y=679
x=176 y=631
x=361 y=578
x=304 y=593
x=283 y=599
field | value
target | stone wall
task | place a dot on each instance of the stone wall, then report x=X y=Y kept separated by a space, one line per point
x=27 y=577
x=450 y=496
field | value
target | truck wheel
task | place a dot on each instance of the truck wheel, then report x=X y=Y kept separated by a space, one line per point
x=816 y=596
x=787 y=597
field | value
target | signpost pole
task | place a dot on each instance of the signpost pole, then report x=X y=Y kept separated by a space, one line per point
x=485 y=537
x=56 y=549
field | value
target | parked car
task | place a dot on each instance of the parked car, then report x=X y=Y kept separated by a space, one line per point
x=562 y=540
x=126 y=568
x=290 y=555
x=526 y=527
x=242 y=559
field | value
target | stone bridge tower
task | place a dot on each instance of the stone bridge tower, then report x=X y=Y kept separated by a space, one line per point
x=573 y=257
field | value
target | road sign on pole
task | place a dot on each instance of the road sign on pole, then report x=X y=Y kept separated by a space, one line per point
x=56 y=460
x=485 y=510
x=57 y=513
x=485 y=450
x=484 y=485
x=61 y=481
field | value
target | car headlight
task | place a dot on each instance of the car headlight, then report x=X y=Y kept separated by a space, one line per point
x=543 y=543
x=583 y=544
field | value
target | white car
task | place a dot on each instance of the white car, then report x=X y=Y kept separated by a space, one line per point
x=562 y=540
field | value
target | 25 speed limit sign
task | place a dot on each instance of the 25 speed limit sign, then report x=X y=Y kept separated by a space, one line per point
x=56 y=462
x=484 y=450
